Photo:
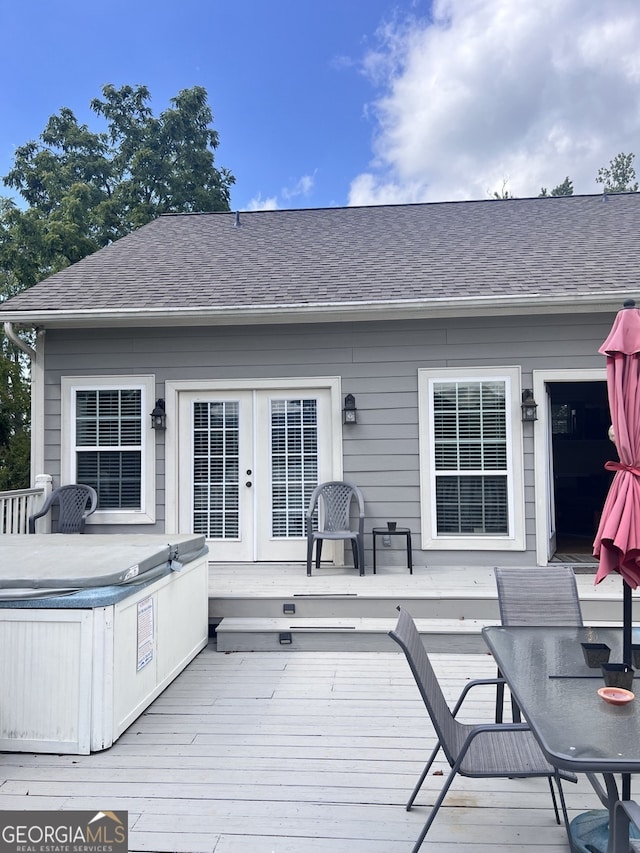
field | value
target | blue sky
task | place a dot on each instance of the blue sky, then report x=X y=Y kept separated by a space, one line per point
x=335 y=102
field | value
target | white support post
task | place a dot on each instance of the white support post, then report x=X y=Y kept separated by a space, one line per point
x=44 y=482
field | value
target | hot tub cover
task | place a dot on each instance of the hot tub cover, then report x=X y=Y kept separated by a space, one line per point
x=48 y=564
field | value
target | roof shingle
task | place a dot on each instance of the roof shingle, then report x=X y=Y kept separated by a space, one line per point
x=285 y=258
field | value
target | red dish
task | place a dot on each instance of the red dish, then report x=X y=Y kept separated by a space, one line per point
x=616 y=695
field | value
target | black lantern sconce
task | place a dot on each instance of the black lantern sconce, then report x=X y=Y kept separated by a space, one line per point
x=529 y=406
x=349 y=413
x=158 y=416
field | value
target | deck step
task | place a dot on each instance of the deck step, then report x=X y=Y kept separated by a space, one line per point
x=348 y=634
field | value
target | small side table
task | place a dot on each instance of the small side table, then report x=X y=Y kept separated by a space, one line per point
x=399 y=531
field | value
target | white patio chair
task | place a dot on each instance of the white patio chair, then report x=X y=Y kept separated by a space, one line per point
x=508 y=750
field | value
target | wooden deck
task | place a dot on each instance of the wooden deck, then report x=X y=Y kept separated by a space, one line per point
x=336 y=609
x=294 y=752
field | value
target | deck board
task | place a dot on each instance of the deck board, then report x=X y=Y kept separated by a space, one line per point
x=294 y=752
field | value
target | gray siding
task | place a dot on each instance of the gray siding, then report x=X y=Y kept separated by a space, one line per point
x=378 y=362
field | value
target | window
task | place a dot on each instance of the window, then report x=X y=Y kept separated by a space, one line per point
x=109 y=445
x=471 y=459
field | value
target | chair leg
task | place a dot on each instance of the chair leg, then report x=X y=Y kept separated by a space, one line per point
x=499 y=699
x=309 y=554
x=516 y=716
x=420 y=782
x=434 y=811
x=318 y=552
x=356 y=555
x=554 y=801
x=563 y=806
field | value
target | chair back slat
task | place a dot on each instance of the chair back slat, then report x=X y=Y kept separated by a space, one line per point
x=449 y=731
x=336 y=503
x=75 y=503
x=72 y=502
x=538 y=596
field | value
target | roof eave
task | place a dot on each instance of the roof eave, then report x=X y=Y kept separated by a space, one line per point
x=531 y=303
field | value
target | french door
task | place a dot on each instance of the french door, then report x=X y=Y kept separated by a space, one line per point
x=249 y=461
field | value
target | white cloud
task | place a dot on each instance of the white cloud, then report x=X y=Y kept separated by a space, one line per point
x=495 y=91
x=259 y=203
x=300 y=188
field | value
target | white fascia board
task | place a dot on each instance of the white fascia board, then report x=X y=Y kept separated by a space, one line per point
x=237 y=315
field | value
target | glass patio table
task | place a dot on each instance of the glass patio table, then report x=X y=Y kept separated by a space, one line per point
x=557 y=692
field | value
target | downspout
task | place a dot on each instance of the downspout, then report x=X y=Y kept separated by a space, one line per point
x=36 y=357
x=15 y=339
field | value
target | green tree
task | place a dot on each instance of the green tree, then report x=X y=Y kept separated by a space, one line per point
x=79 y=190
x=563 y=189
x=85 y=189
x=15 y=439
x=619 y=176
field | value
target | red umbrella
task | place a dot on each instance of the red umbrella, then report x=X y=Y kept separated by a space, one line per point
x=617 y=542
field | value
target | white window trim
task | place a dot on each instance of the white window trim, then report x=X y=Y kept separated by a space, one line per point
x=515 y=540
x=146 y=384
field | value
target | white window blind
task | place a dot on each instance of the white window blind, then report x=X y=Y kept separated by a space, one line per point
x=470 y=454
x=216 y=469
x=294 y=463
x=108 y=430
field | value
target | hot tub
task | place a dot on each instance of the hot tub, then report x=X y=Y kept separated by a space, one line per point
x=92 y=629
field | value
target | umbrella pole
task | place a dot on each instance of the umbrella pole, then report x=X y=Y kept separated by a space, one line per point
x=627 y=619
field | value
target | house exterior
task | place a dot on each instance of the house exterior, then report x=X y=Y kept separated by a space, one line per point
x=254 y=327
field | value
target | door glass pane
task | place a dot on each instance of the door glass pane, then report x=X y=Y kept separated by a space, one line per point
x=216 y=442
x=294 y=464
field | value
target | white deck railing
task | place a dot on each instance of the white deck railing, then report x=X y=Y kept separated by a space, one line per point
x=18 y=504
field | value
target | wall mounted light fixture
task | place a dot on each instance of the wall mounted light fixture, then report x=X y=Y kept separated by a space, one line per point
x=158 y=416
x=349 y=413
x=529 y=406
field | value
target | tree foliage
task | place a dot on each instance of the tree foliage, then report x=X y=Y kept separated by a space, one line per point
x=619 y=176
x=84 y=188
x=503 y=193
x=563 y=189
x=79 y=189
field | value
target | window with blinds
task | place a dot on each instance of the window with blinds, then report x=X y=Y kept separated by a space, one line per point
x=470 y=456
x=108 y=445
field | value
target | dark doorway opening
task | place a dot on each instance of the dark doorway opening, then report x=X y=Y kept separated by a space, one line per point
x=579 y=423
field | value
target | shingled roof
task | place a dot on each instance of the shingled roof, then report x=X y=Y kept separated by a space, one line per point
x=343 y=263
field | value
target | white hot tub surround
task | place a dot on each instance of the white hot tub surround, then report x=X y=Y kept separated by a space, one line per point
x=92 y=629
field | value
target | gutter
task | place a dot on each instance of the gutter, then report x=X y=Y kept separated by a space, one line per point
x=15 y=339
x=361 y=310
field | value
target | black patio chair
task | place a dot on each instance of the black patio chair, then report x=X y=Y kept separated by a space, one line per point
x=333 y=502
x=507 y=750
x=75 y=503
x=535 y=596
